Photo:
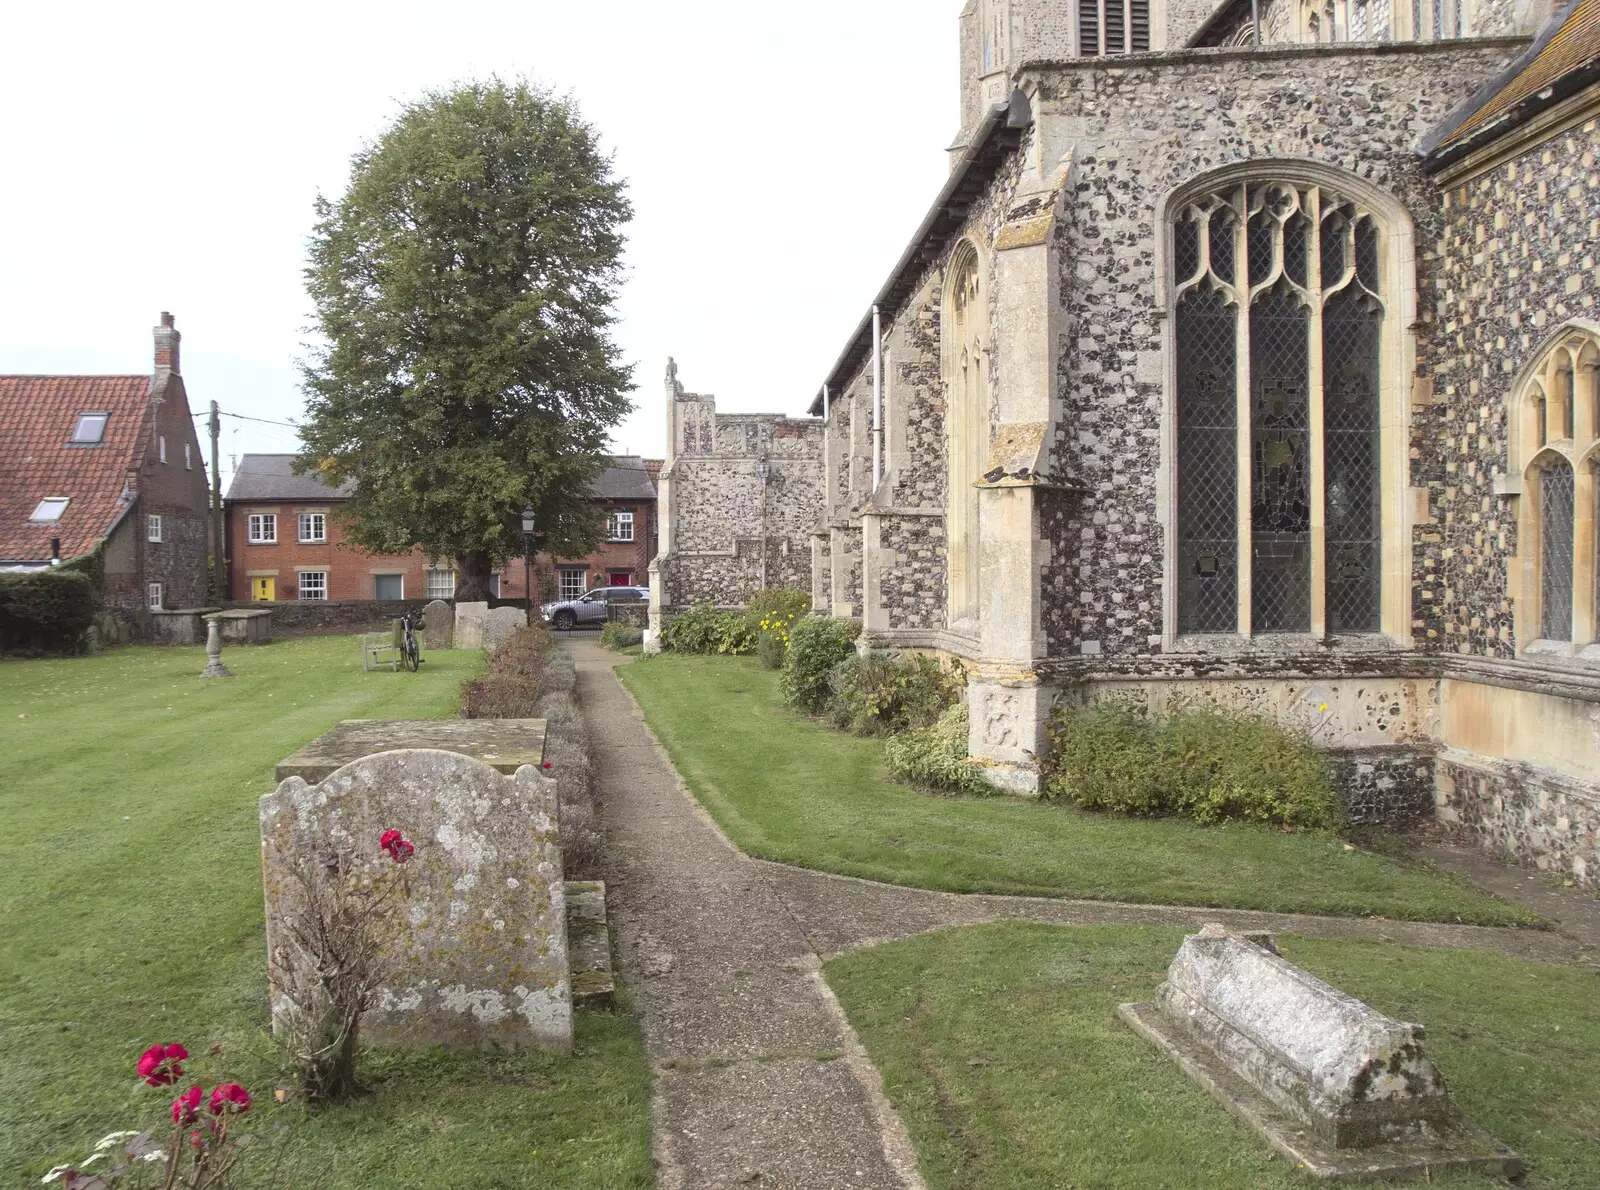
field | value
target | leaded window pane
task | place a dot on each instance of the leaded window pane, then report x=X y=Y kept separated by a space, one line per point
x=1367 y=254
x=1556 y=494
x=1280 y=463
x=1222 y=247
x=1334 y=228
x=1295 y=248
x=1208 y=532
x=1351 y=329
x=1185 y=250
x=1262 y=229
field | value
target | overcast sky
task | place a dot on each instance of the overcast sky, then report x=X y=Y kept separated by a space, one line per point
x=165 y=157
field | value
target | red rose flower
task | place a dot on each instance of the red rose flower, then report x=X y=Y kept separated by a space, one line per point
x=162 y=1065
x=388 y=840
x=397 y=846
x=229 y=1097
x=197 y=1138
x=547 y=764
x=186 y=1105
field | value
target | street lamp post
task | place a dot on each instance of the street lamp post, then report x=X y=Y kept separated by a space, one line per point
x=527 y=557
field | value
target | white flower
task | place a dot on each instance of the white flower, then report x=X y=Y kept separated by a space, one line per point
x=93 y=1157
x=116 y=1138
x=55 y=1174
x=154 y=1155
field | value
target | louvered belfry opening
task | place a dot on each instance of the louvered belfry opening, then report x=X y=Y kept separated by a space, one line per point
x=1284 y=280
x=1111 y=27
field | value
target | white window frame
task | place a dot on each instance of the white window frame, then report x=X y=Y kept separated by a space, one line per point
x=435 y=585
x=619 y=526
x=153 y=596
x=161 y=446
x=188 y=459
x=78 y=427
x=263 y=528
x=576 y=587
x=377 y=578
x=52 y=515
x=312 y=528
x=314 y=592
x=152 y=528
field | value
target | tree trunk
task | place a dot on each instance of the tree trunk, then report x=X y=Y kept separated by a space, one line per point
x=472 y=577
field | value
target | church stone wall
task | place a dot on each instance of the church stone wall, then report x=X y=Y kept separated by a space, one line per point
x=1139 y=131
x=1513 y=261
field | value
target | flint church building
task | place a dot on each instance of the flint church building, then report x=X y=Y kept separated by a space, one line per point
x=1249 y=353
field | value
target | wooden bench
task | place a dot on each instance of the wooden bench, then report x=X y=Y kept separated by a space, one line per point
x=374 y=646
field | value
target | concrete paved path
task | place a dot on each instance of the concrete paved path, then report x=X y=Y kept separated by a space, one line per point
x=760 y=1081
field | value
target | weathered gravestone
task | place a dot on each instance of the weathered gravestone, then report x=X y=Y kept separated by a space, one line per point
x=1338 y=1088
x=502 y=623
x=438 y=625
x=471 y=620
x=476 y=953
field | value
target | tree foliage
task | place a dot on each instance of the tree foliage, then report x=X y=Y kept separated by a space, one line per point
x=464 y=286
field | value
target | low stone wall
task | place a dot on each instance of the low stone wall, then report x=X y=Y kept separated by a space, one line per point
x=332 y=617
x=635 y=615
x=1521 y=812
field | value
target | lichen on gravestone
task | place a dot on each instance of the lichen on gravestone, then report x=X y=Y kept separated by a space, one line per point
x=478 y=951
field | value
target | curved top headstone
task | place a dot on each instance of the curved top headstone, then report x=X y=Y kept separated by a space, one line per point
x=478 y=952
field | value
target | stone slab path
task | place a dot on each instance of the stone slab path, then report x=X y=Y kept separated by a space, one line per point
x=760 y=1080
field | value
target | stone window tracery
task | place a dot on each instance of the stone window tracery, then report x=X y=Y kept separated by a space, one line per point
x=1279 y=320
x=967 y=428
x=1554 y=448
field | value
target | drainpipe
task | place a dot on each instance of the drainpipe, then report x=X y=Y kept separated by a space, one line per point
x=877 y=401
x=1255 y=21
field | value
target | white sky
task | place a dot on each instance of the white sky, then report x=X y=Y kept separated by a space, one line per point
x=165 y=157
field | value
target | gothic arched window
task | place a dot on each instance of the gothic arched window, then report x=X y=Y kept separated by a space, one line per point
x=1554 y=449
x=1280 y=319
x=967 y=425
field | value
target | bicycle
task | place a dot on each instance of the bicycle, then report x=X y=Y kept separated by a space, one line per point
x=410 y=654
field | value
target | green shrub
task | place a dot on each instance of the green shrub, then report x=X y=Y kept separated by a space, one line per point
x=515 y=677
x=880 y=695
x=620 y=636
x=936 y=757
x=1211 y=764
x=816 y=645
x=47 y=610
x=775 y=613
x=704 y=629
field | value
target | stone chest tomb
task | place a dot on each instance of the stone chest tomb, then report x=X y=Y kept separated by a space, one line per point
x=1338 y=1088
x=476 y=949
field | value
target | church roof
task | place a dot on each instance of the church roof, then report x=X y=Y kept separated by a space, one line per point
x=1564 y=58
x=992 y=142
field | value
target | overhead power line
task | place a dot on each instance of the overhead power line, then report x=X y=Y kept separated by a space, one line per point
x=266 y=421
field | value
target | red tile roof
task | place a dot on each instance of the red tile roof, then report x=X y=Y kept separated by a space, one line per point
x=37 y=416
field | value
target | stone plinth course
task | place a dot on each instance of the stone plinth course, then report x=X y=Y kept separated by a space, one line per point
x=503 y=744
x=501 y=624
x=477 y=949
x=1335 y=1086
x=472 y=619
x=438 y=625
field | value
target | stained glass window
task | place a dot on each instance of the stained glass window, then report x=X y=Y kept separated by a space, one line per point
x=1312 y=332
x=1556 y=497
x=1208 y=530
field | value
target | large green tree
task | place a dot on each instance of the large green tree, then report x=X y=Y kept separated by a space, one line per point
x=464 y=287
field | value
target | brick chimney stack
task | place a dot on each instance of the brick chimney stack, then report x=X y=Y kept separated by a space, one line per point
x=167 y=340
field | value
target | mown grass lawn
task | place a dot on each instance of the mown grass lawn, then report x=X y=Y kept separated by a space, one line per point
x=131 y=913
x=786 y=788
x=999 y=1047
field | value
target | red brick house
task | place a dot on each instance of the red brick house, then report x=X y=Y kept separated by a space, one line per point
x=107 y=461
x=284 y=542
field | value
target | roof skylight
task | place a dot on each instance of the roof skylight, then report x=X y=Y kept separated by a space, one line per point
x=91 y=428
x=50 y=509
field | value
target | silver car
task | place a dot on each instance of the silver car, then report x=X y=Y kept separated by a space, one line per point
x=590 y=608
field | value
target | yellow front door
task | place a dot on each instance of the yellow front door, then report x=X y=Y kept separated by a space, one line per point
x=263 y=589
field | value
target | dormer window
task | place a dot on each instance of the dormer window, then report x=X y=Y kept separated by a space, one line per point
x=90 y=429
x=50 y=510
